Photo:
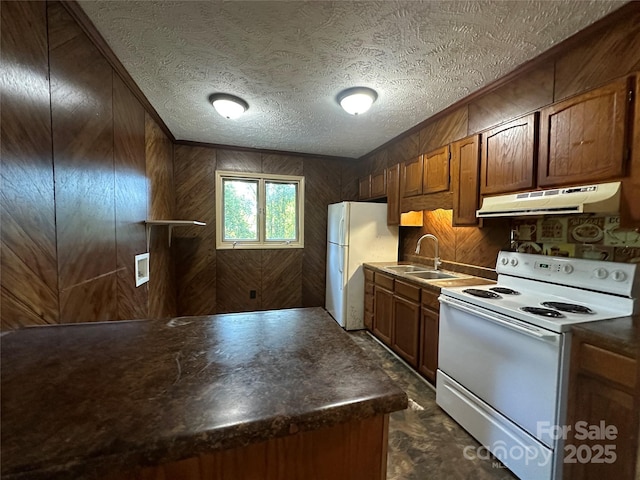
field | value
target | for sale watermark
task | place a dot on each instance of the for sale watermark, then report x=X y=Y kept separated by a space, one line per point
x=599 y=449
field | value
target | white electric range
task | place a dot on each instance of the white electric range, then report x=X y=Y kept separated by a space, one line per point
x=504 y=351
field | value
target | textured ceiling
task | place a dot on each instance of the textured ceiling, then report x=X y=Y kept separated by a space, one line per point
x=290 y=59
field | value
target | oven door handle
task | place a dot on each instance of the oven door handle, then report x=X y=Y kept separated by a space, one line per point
x=502 y=320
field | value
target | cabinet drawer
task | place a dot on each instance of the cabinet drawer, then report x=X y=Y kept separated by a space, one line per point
x=408 y=291
x=609 y=365
x=368 y=275
x=384 y=280
x=430 y=300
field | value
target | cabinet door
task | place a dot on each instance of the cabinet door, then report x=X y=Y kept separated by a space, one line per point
x=364 y=188
x=379 y=184
x=596 y=402
x=436 y=173
x=430 y=324
x=583 y=139
x=509 y=154
x=383 y=314
x=411 y=177
x=393 y=195
x=465 y=165
x=406 y=322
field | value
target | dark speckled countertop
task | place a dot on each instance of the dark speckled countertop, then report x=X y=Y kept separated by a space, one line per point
x=621 y=335
x=80 y=401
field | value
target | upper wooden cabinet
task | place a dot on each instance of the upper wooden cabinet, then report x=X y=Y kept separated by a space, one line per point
x=465 y=166
x=509 y=154
x=373 y=185
x=583 y=139
x=364 y=188
x=393 y=195
x=411 y=177
x=379 y=184
x=435 y=168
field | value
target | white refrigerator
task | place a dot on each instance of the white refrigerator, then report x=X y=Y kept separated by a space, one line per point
x=357 y=232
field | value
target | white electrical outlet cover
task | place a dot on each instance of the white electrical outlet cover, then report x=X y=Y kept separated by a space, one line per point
x=142 y=269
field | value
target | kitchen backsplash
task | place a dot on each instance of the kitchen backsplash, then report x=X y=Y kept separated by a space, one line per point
x=580 y=236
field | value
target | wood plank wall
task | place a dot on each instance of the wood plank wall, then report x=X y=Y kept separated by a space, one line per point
x=606 y=54
x=75 y=179
x=211 y=281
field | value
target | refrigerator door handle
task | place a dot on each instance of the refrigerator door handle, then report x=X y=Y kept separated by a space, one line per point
x=341 y=266
x=341 y=232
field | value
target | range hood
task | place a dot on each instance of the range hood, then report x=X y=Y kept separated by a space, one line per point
x=600 y=198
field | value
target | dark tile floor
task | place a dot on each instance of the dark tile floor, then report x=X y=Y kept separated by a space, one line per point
x=424 y=442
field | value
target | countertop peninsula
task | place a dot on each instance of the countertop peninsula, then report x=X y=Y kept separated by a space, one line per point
x=86 y=400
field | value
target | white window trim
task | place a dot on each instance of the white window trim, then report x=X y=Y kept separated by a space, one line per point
x=261 y=244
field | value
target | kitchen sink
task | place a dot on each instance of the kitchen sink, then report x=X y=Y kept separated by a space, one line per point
x=406 y=268
x=430 y=275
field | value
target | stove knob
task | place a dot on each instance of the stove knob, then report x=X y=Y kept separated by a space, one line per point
x=504 y=260
x=514 y=262
x=567 y=269
x=619 y=276
x=600 y=273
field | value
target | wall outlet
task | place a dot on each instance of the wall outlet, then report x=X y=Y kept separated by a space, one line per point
x=252 y=294
x=142 y=269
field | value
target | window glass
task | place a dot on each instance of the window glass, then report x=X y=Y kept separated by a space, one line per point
x=240 y=210
x=281 y=211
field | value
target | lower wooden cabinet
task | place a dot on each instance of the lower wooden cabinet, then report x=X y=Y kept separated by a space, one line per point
x=603 y=392
x=383 y=307
x=429 y=328
x=406 y=322
x=405 y=318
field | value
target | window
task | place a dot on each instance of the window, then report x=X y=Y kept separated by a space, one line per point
x=256 y=210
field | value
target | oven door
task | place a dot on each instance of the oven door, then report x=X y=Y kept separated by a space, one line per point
x=512 y=366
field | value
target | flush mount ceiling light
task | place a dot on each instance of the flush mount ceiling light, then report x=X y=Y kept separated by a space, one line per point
x=357 y=100
x=229 y=106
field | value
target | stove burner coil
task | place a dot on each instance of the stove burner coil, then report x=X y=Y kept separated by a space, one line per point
x=568 y=307
x=476 y=292
x=544 y=312
x=504 y=290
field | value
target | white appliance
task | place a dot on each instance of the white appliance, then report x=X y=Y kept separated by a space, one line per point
x=504 y=351
x=357 y=232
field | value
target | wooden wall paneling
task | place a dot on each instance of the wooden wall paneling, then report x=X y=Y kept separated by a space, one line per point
x=527 y=92
x=82 y=129
x=609 y=54
x=480 y=246
x=281 y=279
x=238 y=272
x=444 y=130
x=282 y=164
x=159 y=167
x=131 y=196
x=322 y=181
x=349 y=180
x=195 y=247
x=405 y=148
x=380 y=161
x=239 y=161
x=29 y=280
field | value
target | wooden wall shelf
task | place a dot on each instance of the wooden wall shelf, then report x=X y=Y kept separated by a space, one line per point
x=169 y=224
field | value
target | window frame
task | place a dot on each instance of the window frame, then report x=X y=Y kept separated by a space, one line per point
x=261 y=243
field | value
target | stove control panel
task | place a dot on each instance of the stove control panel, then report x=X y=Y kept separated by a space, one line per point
x=609 y=277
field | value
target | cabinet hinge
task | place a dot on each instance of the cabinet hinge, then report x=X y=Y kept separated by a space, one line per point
x=630 y=96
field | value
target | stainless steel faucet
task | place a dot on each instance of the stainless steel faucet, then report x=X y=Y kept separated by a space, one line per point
x=436 y=258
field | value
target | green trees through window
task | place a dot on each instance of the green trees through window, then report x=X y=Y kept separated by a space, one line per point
x=259 y=211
